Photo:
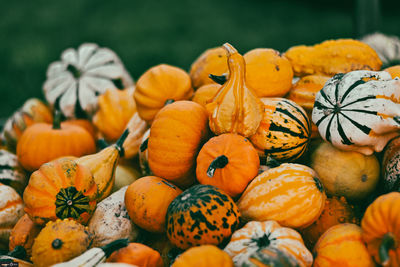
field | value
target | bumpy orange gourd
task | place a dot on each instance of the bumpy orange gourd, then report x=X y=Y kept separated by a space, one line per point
x=61 y=189
x=176 y=135
x=342 y=245
x=158 y=85
x=137 y=254
x=229 y=162
x=235 y=108
x=205 y=93
x=203 y=256
x=268 y=73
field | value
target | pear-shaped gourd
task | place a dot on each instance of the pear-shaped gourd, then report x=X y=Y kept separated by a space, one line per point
x=103 y=165
x=235 y=108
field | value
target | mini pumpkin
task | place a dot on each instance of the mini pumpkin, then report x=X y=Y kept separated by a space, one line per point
x=74 y=83
x=205 y=93
x=358 y=111
x=258 y=235
x=11 y=172
x=137 y=254
x=203 y=256
x=202 y=214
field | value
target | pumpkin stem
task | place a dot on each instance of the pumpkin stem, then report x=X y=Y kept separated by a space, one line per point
x=218 y=163
x=57 y=120
x=388 y=243
x=74 y=71
x=121 y=141
x=143 y=146
x=169 y=101
x=101 y=143
x=263 y=241
x=220 y=79
x=57 y=243
x=115 y=245
x=18 y=252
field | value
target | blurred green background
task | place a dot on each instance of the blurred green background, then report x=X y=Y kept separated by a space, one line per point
x=145 y=33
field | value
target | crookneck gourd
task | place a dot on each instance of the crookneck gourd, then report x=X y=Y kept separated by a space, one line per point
x=235 y=108
x=359 y=111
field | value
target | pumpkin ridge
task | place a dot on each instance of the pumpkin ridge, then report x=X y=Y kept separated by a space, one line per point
x=342 y=134
x=37 y=191
x=351 y=87
x=363 y=128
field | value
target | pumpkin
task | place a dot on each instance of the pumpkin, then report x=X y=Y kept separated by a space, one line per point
x=358 y=111
x=160 y=243
x=125 y=174
x=11 y=172
x=61 y=189
x=23 y=234
x=176 y=135
x=202 y=214
x=137 y=254
x=341 y=245
x=271 y=256
x=386 y=46
x=205 y=93
x=110 y=221
x=144 y=154
x=33 y=111
x=258 y=235
x=203 y=256
x=336 y=211
x=147 y=200
x=229 y=162
x=158 y=85
x=137 y=127
x=332 y=57
x=235 y=108
x=43 y=142
x=211 y=61
x=11 y=209
x=284 y=131
x=268 y=73
x=380 y=229
x=60 y=241
x=290 y=194
x=116 y=107
x=85 y=124
x=345 y=173
x=74 y=83
x=391 y=166
x=394 y=71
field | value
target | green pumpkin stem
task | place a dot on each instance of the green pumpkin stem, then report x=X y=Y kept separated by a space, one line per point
x=388 y=243
x=218 y=163
x=57 y=120
x=220 y=79
x=120 y=142
x=101 y=143
x=18 y=252
x=74 y=71
x=115 y=245
x=169 y=101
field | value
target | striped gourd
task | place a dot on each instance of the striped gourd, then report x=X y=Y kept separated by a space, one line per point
x=284 y=131
x=290 y=194
x=359 y=111
x=255 y=236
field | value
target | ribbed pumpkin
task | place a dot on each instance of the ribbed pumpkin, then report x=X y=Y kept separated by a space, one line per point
x=271 y=257
x=381 y=229
x=391 y=166
x=176 y=135
x=61 y=189
x=358 y=111
x=159 y=84
x=203 y=256
x=60 y=241
x=147 y=200
x=342 y=245
x=202 y=214
x=205 y=93
x=137 y=254
x=290 y=194
x=284 y=131
x=257 y=235
x=11 y=172
x=229 y=162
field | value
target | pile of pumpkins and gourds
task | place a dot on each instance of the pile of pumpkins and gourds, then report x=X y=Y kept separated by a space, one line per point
x=265 y=159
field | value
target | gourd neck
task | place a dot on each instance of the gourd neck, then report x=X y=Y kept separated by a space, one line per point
x=388 y=243
x=120 y=142
x=218 y=163
x=236 y=64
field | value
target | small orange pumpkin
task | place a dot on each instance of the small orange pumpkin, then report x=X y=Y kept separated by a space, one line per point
x=85 y=124
x=203 y=256
x=137 y=254
x=205 y=93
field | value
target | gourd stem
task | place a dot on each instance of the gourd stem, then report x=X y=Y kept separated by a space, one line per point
x=169 y=101
x=220 y=79
x=57 y=120
x=218 y=163
x=115 y=245
x=74 y=71
x=229 y=48
x=18 y=252
x=388 y=243
x=121 y=141
x=101 y=143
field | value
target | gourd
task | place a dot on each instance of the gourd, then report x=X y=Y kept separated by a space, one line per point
x=394 y=71
x=391 y=166
x=32 y=111
x=270 y=256
x=256 y=235
x=111 y=221
x=290 y=194
x=137 y=127
x=144 y=154
x=158 y=85
x=176 y=135
x=380 y=229
x=11 y=172
x=284 y=132
x=205 y=93
x=358 y=111
x=125 y=174
x=386 y=46
x=60 y=241
x=147 y=200
x=202 y=214
x=203 y=256
x=61 y=189
x=235 y=108
x=137 y=254
x=332 y=57
x=341 y=244
x=44 y=142
x=74 y=83
x=268 y=72
x=94 y=256
x=229 y=162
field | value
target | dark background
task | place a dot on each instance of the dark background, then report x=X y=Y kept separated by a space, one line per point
x=145 y=33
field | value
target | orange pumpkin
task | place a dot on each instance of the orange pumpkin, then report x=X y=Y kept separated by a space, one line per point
x=203 y=256
x=137 y=254
x=176 y=135
x=61 y=189
x=147 y=200
x=229 y=162
x=85 y=124
x=205 y=93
